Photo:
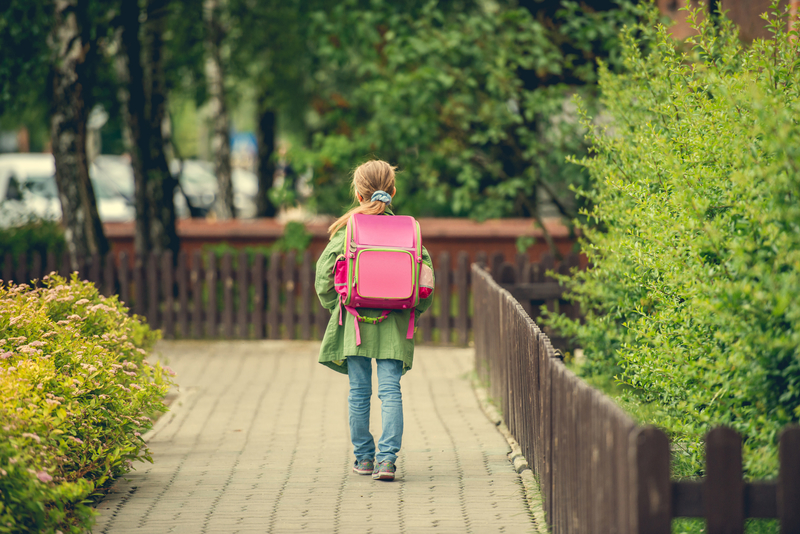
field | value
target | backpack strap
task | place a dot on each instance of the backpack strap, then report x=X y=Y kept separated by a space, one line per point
x=372 y=320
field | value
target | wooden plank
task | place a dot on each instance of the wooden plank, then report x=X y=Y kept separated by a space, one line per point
x=21 y=273
x=168 y=295
x=95 y=268
x=211 y=288
x=482 y=259
x=65 y=268
x=507 y=274
x=36 y=266
x=197 y=279
x=462 y=290
x=788 y=493
x=182 y=276
x=140 y=292
x=760 y=499
x=495 y=261
x=50 y=263
x=274 y=296
x=258 y=296
x=109 y=279
x=687 y=498
x=243 y=306
x=306 y=295
x=723 y=490
x=289 y=285
x=124 y=279
x=443 y=286
x=650 y=488
x=153 y=318
x=8 y=267
x=226 y=276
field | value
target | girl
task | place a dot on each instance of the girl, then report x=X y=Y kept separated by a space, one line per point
x=384 y=342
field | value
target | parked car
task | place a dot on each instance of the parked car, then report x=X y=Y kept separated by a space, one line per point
x=201 y=188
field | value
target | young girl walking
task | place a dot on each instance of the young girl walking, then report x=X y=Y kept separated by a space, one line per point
x=384 y=342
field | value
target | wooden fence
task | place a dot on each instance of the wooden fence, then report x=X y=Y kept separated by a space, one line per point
x=598 y=470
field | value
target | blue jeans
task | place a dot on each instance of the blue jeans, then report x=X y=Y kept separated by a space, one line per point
x=359 y=369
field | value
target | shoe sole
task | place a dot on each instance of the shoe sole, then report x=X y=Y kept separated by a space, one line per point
x=368 y=472
x=383 y=476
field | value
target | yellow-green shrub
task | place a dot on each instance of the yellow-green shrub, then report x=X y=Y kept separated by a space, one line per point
x=75 y=395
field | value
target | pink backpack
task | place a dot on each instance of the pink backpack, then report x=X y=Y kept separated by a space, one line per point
x=381 y=268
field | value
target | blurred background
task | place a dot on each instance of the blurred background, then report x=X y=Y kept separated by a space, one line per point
x=151 y=112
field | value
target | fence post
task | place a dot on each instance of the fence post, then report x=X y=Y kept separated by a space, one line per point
x=789 y=480
x=197 y=294
x=227 y=295
x=258 y=296
x=289 y=267
x=306 y=294
x=244 y=296
x=167 y=278
x=183 y=295
x=211 y=286
x=443 y=283
x=152 y=291
x=124 y=279
x=650 y=486
x=723 y=488
x=274 y=296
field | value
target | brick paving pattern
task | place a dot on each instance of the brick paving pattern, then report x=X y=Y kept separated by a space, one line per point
x=258 y=441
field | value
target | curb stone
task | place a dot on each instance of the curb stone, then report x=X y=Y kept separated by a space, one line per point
x=533 y=493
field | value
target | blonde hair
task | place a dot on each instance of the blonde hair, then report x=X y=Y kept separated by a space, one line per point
x=374 y=175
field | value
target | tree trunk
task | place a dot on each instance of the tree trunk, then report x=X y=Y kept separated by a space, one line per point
x=265 y=137
x=82 y=227
x=141 y=94
x=220 y=141
x=160 y=182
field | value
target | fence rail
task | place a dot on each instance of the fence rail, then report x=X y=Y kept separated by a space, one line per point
x=598 y=470
x=204 y=295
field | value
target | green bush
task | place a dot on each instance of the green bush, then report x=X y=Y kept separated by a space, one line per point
x=36 y=236
x=693 y=299
x=75 y=396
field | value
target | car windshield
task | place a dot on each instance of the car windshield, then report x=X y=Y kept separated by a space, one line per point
x=42 y=185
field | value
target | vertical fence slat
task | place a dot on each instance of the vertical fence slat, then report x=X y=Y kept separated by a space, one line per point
x=197 y=278
x=258 y=296
x=443 y=281
x=109 y=275
x=65 y=268
x=21 y=273
x=50 y=263
x=789 y=479
x=168 y=289
x=274 y=296
x=183 y=295
x=227 y=294
x=211 y=289
x=650 y=487
x=139 y=290
x=462 y=289
x=153 y=318
x=723 y=488
x=244 y=296
x=36 y=266
x=306 y=294
x=95 y=268
x=124 y=279
x=289 y=277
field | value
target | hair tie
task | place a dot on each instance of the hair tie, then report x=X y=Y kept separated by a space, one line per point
x=382 y=196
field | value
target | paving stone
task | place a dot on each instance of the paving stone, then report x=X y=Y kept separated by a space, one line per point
x=258 y=441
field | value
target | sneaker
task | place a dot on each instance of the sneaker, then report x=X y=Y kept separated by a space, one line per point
x=384 y=471
x=363 y=467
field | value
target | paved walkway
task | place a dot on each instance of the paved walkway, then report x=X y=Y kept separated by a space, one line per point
x=258 y=441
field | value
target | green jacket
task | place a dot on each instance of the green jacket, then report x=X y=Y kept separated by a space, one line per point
x=385 y=340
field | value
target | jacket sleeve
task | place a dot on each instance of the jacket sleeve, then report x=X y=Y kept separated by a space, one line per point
x=425 y=303
x=323 y=282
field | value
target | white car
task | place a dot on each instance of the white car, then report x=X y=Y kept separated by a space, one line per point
x=200 y=185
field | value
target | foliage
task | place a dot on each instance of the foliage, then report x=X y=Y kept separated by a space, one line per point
x=295 y=238
x=472 y=104
x=75 y=395
x=693 y=298
x=32 y=237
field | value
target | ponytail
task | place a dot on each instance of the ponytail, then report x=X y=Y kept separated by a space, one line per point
x=376 y=207
x=369 y=177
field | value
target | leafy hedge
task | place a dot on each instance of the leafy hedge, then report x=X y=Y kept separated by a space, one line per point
x=75 y=396
x=693 y=299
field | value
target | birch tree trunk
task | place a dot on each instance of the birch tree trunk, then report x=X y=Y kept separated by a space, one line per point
x=220 y=140
x=140 y=72
x=265 y=137
x=82 y=227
